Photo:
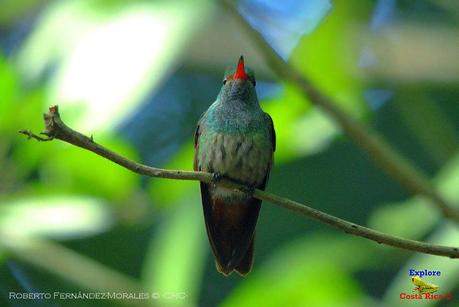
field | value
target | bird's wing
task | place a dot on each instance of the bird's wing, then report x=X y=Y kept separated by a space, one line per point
x=197 y=134
x=254 y=205
x=272 y=136
x=272 y=132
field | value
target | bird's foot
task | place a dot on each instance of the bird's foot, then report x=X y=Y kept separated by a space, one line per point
x=216 y=178
x=248 y=190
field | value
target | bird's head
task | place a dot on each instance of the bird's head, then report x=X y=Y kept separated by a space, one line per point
x=239 y=84
x=239 y=74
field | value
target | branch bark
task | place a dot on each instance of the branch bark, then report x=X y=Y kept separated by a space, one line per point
x=383 y=155
x=57 y=129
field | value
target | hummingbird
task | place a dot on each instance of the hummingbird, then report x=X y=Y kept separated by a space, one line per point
x=234 y=139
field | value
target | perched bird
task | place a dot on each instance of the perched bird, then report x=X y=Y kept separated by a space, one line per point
x=234 y=139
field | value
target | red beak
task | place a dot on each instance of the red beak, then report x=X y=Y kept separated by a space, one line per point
x=240 y=70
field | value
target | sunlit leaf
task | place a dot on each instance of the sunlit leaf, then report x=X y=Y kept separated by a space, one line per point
x=328 y=60
x=72 y=169
x=307 y=271
x=8 y=91
x=108 y=63
x=328 y=55
x=285 y=110
x=58 y=216
x=175 y=260
x=26 y=113
x=301 y=129
x=169 y=192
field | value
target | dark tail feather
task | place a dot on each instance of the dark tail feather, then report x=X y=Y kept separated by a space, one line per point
x=224 y=269
x=244 y=267
x=230 y=228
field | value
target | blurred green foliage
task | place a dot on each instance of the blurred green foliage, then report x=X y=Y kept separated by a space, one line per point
x=72 y=221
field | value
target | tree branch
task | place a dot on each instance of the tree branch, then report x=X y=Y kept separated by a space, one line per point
x=57 y=129
x=386 y=157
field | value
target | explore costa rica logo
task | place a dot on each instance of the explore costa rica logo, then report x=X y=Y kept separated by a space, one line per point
x=424 y=290
x=423 y=287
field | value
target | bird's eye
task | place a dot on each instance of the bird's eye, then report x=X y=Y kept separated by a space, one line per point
x=224 y=81
x=253 y=81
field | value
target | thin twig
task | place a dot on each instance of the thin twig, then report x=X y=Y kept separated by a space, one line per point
x=385 y=156
x=31 y=135
x=55 y=128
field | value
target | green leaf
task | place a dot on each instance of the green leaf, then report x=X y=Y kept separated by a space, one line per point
x=166 y=193
x=57 y=216
x=109 y=60
x=71 y=169
x=307 y=271
x=300 y=129
x=438 y=137
x=175 y=260
x=326 y=56
x=329 y=54
x=392 y=218
x=8 y=91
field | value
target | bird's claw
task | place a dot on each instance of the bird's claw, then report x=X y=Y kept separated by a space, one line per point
x=216 y=178
x=248 y=189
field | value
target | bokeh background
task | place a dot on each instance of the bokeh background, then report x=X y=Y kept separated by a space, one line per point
x=138 y=74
